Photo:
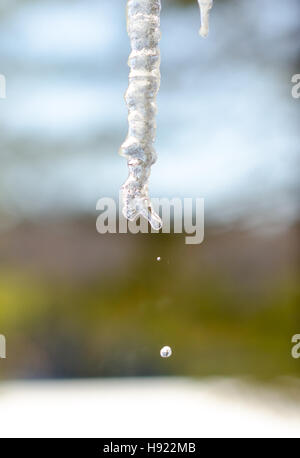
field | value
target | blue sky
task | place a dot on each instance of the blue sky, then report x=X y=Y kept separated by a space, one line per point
x=227 y=124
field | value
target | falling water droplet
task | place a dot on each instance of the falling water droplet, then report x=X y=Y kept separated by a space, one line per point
x=158 y=258
x=166 y=352
x=205 y=7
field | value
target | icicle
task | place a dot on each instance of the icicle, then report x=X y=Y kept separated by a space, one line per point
x=143 y=27
x=205 y=7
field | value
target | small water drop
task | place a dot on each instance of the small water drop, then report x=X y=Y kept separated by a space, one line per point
x=158 y=258
x=166 y=352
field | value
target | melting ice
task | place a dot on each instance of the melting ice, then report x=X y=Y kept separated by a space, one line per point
x=143 y=27
x=205 y=7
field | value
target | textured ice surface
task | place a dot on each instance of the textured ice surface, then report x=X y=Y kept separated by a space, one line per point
x=205 y=7
x=143 y=27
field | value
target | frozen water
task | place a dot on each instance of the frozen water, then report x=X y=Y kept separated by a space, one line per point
x=143 y=27
x=205 y=7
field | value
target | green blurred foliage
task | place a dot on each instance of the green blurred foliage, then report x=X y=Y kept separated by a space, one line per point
x=219 y=318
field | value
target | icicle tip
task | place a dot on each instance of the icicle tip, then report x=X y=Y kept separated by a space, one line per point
x=203 y=33
x=205 y=7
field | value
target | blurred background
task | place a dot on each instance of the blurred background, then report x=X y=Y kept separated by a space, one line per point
x=77 y=304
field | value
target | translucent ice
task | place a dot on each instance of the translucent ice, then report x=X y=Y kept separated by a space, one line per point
x=205 y=7
x=143 y=27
